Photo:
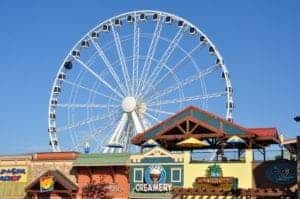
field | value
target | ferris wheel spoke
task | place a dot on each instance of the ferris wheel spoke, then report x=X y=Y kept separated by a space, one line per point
x=160 y=111
x=104 y=138
x=179 y=63
x=152 y=117
x=121 y=58
x=165 y=57
x=187 y=81
x=146 y=123
x=136 y=52
x=90 y=90
x=94 y=133
x=108 y=65
x=86 y=106
x=85 y=121
x=189 y=99
x=75 y=91
x=150 y=53
x=155 y=89
x=98 y=77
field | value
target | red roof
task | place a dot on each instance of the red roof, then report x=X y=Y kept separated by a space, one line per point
x=264 y=132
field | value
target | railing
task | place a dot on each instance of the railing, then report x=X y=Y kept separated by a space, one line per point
x=272 y=154
x=229 y=155
x=233 y=155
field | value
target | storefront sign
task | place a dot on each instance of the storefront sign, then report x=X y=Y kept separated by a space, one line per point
x=283 y=173
x=153 y=187
x=155 y=180
x=225 y=183
x=46 y=183
x=215 y=179
x=13 y=174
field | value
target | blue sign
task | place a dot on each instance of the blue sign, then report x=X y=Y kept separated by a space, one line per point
x=283 y=173
x=155 y=175
x=155 y=180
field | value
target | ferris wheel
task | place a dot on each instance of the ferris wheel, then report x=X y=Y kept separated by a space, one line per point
x=132 y=71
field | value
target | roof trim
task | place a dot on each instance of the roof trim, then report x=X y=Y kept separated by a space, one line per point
x=138 y=137
x=59 y=177
x=220 y=126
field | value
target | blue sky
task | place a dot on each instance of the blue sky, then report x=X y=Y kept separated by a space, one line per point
x=258 y=40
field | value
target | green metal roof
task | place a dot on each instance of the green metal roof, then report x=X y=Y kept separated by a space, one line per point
x=104 y=159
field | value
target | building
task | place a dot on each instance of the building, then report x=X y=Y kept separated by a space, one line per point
x=233 y=170
x=20 y=175
x=193 y=154
x=102 y=175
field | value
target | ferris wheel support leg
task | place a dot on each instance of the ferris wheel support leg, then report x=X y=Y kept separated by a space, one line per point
x=137 y=123
x=119 y=129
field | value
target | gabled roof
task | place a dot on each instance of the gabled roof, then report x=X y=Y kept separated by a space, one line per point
x=211 y=124
x=211 y=121
x=103 y=159
x=157 y=152
x=59 y=178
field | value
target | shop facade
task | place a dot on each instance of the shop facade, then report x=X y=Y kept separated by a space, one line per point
x=193 y=154
x=19 y=174
x=224 y=173
x=155 y=172
x=102 y=176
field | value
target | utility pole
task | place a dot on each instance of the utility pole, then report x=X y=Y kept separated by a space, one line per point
x=297 y=119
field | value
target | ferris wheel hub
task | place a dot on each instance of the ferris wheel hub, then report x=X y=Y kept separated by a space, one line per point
x=129 y=104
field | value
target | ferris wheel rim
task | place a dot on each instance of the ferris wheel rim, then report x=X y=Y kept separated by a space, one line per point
x=53 y=135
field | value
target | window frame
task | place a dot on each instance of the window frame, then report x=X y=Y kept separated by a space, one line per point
x=134 y=175
x=180 y=172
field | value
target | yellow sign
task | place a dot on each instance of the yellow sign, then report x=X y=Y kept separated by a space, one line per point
x=46 y=183
x=13 y=174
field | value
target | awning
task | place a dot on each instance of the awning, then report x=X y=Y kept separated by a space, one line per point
x=192 y=143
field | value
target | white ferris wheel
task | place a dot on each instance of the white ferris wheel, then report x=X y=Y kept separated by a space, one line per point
x=132 y=71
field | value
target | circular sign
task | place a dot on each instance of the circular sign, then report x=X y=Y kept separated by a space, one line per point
x=155 y=175
x=283 y=173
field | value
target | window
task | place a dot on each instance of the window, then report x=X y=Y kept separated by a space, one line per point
x=138 y=175
x=175 y=174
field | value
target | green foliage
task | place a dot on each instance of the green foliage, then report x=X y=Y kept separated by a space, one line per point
x=214 y=171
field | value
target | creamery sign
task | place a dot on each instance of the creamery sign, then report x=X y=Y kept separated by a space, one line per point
x=155 y=180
